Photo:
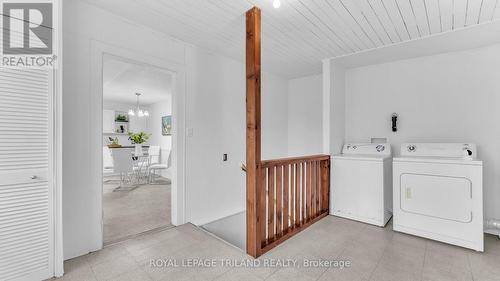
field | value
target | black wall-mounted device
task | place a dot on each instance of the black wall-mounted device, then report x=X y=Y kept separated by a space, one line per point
x=224 y=157
x=394 y=122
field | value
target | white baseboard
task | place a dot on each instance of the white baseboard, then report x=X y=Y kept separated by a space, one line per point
x=493 y=232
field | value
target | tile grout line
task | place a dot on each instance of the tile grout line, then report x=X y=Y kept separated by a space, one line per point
x=344 y=249
x=148 y=273
x=378 y=262
x=139 y=263
x=470 y=267
x=423 y=263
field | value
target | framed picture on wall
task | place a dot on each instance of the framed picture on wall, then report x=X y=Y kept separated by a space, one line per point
x=166 y=125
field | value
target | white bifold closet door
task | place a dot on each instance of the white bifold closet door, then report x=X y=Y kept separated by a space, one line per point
x=26 y=169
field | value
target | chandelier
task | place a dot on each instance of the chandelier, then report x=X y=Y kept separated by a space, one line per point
x=138 y=111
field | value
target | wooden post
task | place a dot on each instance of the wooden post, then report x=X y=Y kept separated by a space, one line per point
x=253 y=146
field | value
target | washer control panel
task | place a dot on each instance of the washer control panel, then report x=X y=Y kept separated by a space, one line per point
x=367 y=148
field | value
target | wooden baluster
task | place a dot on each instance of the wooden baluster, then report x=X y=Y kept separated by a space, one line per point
x=270 y=205
x=313 y=189
x=291 y=197
x=324 y=187
x=318 y=188
x=279 y=198
x=297 y=195
x=326 y=184
x=262 y=207
x=309 y=190
x=318 y=191
x=321 y=187
x=303 y=195
x=286 y=198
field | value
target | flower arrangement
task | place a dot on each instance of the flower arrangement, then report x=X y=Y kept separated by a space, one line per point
x=138 y=138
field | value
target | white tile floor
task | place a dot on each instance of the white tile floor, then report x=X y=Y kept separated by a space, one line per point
x=375 y=254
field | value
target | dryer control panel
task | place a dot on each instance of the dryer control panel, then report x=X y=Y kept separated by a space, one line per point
x=447 y=150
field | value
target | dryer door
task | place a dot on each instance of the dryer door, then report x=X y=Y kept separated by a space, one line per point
x=443 y=197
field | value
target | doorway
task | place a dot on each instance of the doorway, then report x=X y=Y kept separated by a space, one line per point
x=137 y=148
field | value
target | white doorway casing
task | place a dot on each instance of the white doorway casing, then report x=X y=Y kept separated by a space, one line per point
x=98 y=51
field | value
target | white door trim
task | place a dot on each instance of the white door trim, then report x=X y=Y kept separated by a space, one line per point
x=98 y=50
x=58 y=145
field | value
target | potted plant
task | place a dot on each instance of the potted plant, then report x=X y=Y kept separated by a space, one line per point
x=114 y=143
x=138 y=139
x=121 y=118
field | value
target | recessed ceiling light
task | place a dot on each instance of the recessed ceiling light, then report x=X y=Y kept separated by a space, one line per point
x=276 y=4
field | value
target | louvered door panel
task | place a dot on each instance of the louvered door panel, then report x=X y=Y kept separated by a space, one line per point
x=24 y=119
x=26 y=216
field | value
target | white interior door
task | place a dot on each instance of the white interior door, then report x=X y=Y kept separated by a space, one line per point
x=26 y=174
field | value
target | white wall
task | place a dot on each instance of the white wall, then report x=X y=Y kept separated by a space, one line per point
x=305 y=117
x=450 y=97
x=156 y=112
x=337 y=117
x=84 y=25
x=274 y=98
x=215 y=115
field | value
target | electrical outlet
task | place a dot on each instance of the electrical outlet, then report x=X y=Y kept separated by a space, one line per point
x=224 y=157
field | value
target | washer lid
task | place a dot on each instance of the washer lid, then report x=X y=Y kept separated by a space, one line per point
x=361 y=157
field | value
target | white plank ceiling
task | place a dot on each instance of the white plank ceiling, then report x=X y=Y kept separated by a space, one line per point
x=298 y=35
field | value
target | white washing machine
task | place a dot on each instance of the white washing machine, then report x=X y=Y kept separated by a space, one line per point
x=438 y=193
x=362 y=183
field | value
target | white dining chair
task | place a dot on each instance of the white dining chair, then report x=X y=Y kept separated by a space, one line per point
x=154 y=154
x=107 y=160
x=163 y=163
x=124 y=165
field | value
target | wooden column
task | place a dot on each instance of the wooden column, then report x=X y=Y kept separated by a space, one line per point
x=255 y=194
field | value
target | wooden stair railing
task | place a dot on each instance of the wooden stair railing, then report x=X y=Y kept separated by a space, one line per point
x=295 y=193
x=283 y=196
